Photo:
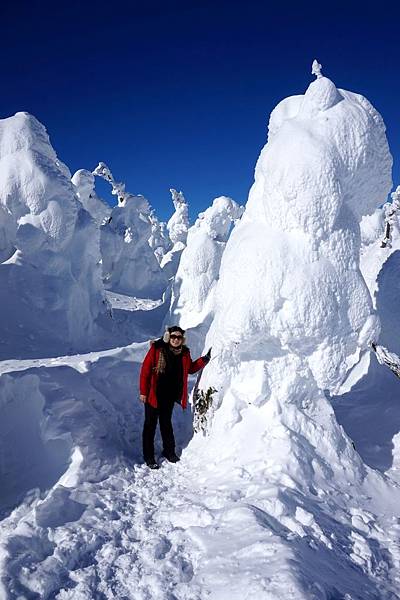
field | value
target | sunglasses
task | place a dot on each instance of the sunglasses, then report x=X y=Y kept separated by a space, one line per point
x=176 y=337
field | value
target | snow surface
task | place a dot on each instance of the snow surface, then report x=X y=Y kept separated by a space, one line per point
x=274 y=501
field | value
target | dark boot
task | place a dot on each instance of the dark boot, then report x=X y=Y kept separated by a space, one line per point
x=171 y=457
x=152 y=464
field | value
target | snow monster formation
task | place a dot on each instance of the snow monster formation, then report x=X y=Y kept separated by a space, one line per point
x=193 y=289
x=84 y=183
x=51 y=291
x=177 y=226
x=290 y=288
x=129 y=263
x=292 y=315
x=293 y=312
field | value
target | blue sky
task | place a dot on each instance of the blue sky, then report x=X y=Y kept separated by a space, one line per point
x=178 y=94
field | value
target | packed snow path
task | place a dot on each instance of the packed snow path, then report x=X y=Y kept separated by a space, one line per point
x=107 y=527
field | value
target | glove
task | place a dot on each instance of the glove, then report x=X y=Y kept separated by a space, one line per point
x=207 y=357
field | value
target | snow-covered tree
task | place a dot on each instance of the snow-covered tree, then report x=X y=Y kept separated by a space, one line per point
x=129 y=263
x=316 y=69
x=118 y=189
x=51 y=291
x=177 y=226
x=380 y=238
x=192 y=300
x=83 y=181
x=159 y=240
x=391 y=210
x=292 y=311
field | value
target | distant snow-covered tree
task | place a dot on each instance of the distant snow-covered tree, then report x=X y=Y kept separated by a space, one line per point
x=83 y=181
x=391 y=210
x=177 y=226
x=118 y=189
x=159 y=240
x=129 y=263
x=316 y=69
x=192 y=298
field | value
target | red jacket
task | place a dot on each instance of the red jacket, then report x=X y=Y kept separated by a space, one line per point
x=148 y=373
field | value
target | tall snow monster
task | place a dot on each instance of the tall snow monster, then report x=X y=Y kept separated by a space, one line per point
x=51 y=291
x=293 y=313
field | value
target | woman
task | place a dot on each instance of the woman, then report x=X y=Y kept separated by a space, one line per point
x=164 y=381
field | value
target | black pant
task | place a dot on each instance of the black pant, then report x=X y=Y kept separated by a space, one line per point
x=151 y=416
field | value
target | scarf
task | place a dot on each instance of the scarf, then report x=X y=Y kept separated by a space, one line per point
x=162 y=358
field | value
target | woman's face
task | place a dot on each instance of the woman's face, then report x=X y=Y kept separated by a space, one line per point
x=176 y=339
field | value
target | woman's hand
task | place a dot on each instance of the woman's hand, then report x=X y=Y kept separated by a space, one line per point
x=207 y=357
x=143 y=399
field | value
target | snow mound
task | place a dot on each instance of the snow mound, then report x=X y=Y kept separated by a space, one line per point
x=50 y=280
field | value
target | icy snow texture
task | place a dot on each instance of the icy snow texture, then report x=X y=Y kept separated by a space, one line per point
x=50 y=281
x=193 y=289
x=290 y=284
x=83 y=181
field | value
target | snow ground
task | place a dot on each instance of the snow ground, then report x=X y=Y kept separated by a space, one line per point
x=101 y=525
